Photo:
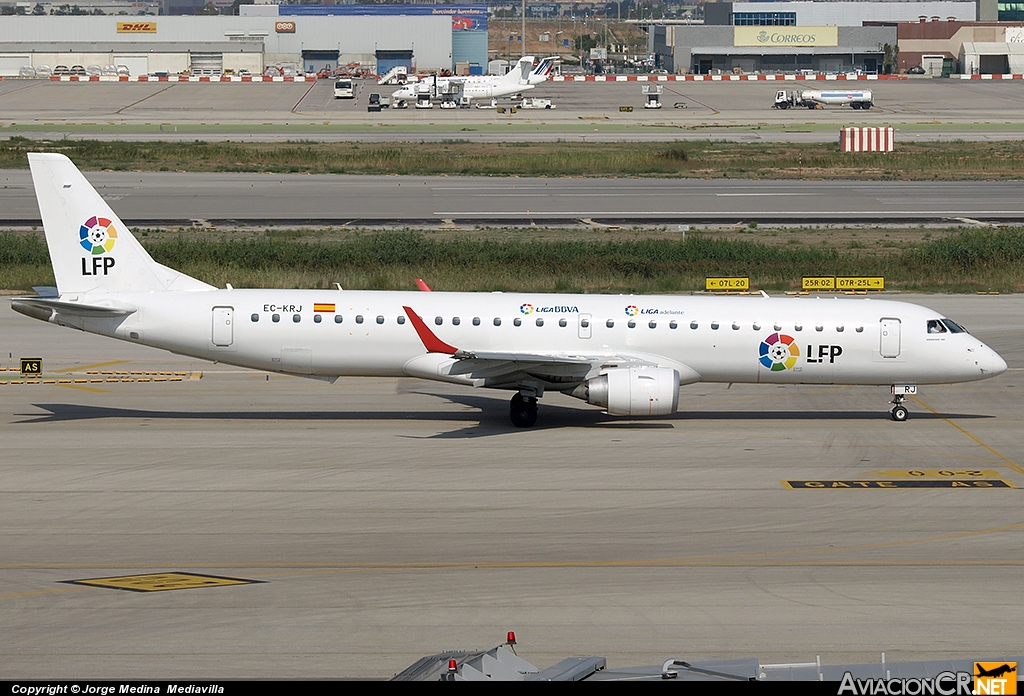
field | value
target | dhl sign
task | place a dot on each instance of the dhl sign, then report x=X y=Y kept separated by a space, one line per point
x=136 y=27
x=284 y=27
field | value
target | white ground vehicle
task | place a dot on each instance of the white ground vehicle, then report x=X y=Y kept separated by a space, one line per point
x=343 y=89
x=652 y=96
x=814 y=99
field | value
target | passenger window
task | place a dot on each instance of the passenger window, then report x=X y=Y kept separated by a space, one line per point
x=438 y=320
x=777 y=326
x=584 y=323
x=819 y=327
x=735 y=326
x=337 y=319
x=652 y=325
x=563 y=323
x=610 y=323
x=380 y=318
x=476 y=321
x=456 y=321
x=400 y=320
x=936 y=327
x=497 y=321
x=631 y=324
x=798 y=327
x=540 y=321
x=517 y=321
x=693 y=325
x=673 y=325
x=275 y=318
x=840 y=328
x=757 y=327
x=317 y=318
x=714 y=326
x=859 y=329
x=296 y=318
x=359 y=318
x=255 y=318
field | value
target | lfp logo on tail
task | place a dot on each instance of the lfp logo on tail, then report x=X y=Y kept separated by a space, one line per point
x=779 y=352
x=97 y=236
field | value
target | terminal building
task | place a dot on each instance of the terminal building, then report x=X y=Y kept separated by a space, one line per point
x=371 y=38
x=786 y=37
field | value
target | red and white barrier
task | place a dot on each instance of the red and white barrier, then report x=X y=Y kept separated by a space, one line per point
x=991 y=77
x=718 y=78
x=556 y=78
x=866 y=139
x=180 y=78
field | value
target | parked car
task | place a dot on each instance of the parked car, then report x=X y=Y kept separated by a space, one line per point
x=61 y=70
x=77 y=70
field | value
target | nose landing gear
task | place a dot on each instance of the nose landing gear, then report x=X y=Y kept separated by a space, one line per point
x=899 y=393
x=899 y=411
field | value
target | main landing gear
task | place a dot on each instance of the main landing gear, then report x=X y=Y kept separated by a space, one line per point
x=523 y=411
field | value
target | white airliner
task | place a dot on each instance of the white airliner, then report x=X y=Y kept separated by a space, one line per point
x=520 y=78
x=626 y=354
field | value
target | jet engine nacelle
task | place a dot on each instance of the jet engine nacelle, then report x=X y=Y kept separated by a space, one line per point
x=634 y=391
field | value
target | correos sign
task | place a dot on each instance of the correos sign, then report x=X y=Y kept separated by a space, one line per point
x=785 y=36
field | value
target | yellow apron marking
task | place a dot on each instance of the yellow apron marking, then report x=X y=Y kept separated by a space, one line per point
x=95 y=390
x=161 y=582
x=1009 y=462
x=89 y=367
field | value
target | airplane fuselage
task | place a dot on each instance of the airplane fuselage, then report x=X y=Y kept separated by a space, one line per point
x=328 y=333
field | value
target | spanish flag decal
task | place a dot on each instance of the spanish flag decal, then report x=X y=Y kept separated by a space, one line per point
x=323 y=307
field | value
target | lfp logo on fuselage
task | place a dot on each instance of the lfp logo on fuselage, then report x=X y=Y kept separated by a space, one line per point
x=779 y=352
x=97 y=236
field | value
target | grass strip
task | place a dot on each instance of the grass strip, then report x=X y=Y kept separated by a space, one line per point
x=703 y=159
x=957 y=260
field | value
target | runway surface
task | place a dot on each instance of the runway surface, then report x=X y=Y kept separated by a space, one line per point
x=168 y=198
x=387 y=519
x=920 y=109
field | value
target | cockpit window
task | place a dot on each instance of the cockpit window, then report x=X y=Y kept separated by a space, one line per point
x=935 y=326
x=954 y=327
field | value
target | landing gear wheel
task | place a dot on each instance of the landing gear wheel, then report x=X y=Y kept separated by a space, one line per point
x=899 y=413
x=523 y=411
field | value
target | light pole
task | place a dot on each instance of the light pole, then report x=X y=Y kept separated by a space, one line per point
x=508 y=53
x=523 y=35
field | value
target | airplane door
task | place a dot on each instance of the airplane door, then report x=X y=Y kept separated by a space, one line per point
x=586 y=326
x=889 y=338
x=223 y=329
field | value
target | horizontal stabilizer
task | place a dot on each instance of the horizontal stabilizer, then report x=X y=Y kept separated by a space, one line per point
x=33 y=306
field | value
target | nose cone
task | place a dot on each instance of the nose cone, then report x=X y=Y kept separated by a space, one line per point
x=997 y=365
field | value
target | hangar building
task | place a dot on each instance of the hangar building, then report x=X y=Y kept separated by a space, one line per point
x=793 y=36
x=377 y=37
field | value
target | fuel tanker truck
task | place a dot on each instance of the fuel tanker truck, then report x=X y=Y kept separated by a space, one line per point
x=816 y=99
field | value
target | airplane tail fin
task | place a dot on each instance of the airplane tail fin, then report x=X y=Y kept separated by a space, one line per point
x=90 y=248
x=542 y=71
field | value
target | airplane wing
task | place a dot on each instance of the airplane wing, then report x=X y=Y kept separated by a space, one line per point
x=510 y=368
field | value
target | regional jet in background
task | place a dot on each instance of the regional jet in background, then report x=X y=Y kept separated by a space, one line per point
x=628 y=355
x=521 y=77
